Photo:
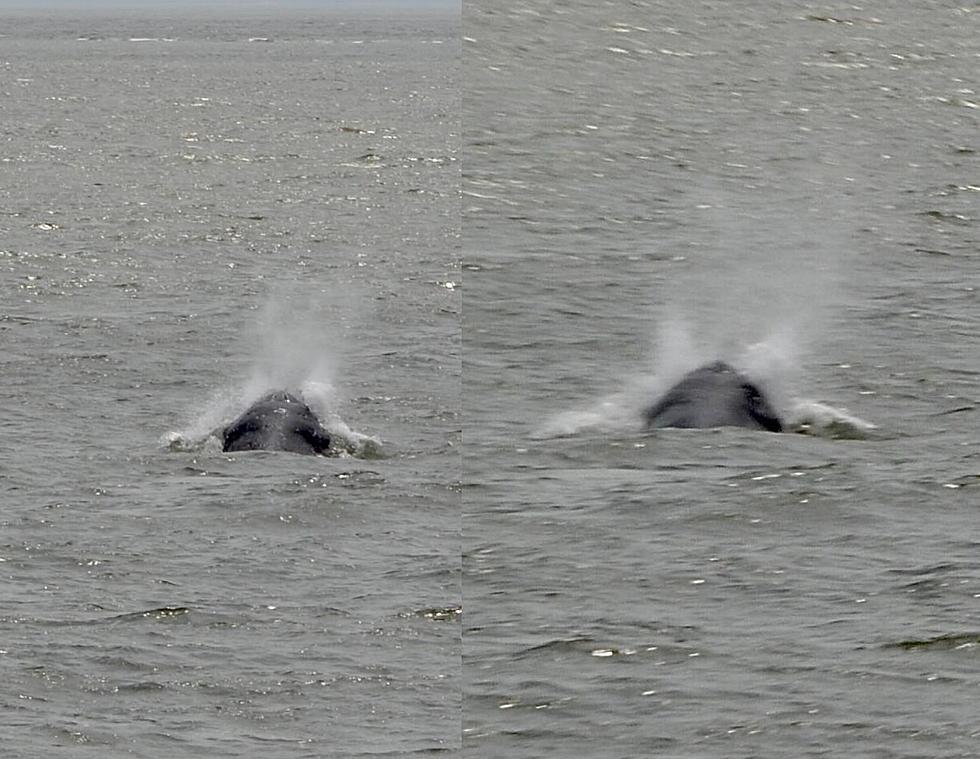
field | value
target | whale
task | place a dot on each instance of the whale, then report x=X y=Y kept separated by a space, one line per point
x=713 y=395
x=278 y=421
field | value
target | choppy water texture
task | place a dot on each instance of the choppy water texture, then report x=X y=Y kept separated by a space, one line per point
x=193 y=209
x=791 y=186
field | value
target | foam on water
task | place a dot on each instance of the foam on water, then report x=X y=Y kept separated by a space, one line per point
x=820 y=419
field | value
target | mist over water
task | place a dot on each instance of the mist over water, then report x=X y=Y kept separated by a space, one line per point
x=297 y=343
x=298 y=340
x=756 y=274
x=759 y=312
x=756 y=288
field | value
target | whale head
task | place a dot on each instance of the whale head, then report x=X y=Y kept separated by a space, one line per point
x=714 y=395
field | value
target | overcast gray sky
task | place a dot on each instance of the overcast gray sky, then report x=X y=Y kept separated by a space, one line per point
x=229 y=5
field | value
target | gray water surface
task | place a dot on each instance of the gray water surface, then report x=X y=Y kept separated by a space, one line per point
x=651 y=184
x=186 y=215
x=194 y=209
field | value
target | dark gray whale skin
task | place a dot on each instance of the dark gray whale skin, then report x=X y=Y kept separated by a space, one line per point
x=278 y=421
x=713 y=395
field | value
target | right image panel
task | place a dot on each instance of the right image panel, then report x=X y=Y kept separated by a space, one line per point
x=721 y=379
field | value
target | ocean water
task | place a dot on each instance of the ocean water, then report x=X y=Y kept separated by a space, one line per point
x=194 y=210
x=788 y=186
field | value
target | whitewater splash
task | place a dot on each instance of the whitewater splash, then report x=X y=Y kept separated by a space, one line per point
x=771 y=363
x=204 y=432
x=296 y=347
x=822 y=420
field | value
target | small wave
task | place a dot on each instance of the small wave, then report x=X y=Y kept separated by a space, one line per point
x=158 y=614
x=951 y=642
x=440 y=613
x=609 y=415
x=181 y=441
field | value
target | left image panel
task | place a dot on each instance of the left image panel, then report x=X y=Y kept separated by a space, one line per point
x=230 y=421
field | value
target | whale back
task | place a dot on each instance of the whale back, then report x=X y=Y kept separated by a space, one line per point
x=714 y=395
x=279 y=421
